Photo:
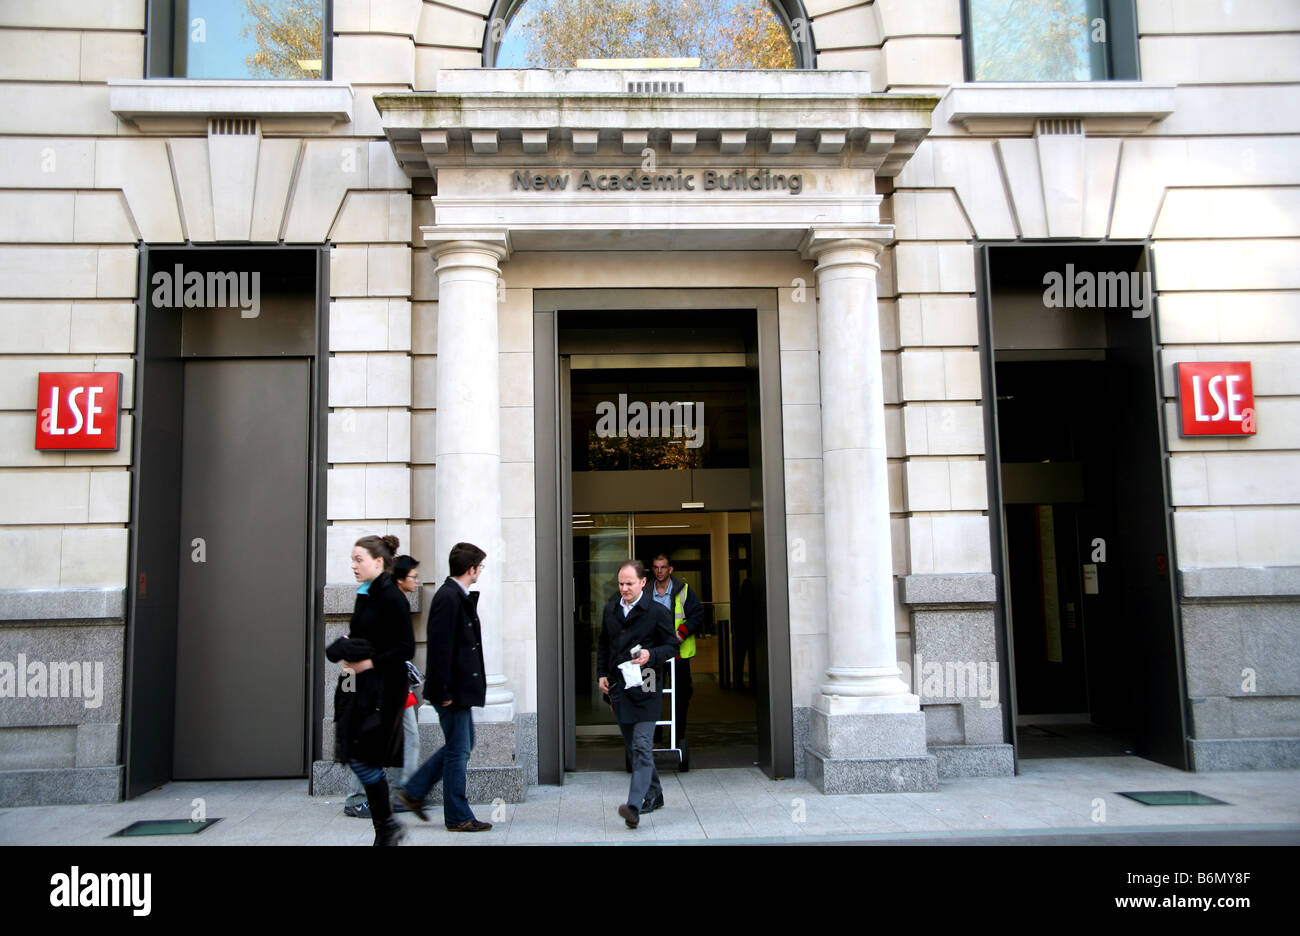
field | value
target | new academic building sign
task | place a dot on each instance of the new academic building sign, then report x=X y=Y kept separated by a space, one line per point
x=706 y=180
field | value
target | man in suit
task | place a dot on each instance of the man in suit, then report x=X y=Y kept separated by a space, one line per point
x=454 y=682
x=633 y=620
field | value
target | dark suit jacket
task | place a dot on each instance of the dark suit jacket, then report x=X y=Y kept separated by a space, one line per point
x=454 y=670
x=651 y=626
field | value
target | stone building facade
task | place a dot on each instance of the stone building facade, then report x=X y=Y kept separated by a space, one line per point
x=884 y=299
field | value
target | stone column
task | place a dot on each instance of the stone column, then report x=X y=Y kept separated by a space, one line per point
x=467 y=472
x=868 y=733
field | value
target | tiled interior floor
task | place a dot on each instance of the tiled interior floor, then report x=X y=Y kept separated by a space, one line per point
x=702 y=805
x=1073 y=739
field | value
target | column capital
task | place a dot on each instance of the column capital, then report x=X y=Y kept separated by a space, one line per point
x=868 y=237
x=492 y=243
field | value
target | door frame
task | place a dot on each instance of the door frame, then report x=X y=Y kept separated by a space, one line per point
x=149 y=657
x=993 y=458
x=552 y=533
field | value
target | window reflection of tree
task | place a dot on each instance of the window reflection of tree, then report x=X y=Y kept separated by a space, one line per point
x=288 y=36
x=1031 y=40
x=637 y=454
x=744 y=34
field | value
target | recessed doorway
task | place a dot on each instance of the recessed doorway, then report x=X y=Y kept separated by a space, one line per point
x=664 y=419
x=1092 y=625
x=710 y=552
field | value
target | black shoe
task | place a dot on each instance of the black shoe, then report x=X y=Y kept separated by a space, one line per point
x=648 y=806
x=390 y=833
x=414 y=805
x=631 y=815
x=359 y=811
x=472 y=825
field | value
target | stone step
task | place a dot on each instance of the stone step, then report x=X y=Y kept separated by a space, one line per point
x=974 y=760
x=482 y=784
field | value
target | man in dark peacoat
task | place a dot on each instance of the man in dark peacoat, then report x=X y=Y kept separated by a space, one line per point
x=455 y=680
x=633 y=620
x=454 y=669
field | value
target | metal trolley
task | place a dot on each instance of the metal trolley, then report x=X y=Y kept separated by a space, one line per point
x=683 y=756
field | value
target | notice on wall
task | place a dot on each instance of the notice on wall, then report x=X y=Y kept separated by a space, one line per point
x=1090 y=578
x=1050 y=587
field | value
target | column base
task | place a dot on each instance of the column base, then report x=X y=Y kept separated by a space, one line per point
x=496 y=710
x=896 y=703
x=870 y=752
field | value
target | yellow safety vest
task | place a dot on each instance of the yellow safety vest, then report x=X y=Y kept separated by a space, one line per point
x=687 y=649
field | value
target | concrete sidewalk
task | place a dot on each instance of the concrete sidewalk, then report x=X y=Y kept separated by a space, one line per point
x=1075 y=797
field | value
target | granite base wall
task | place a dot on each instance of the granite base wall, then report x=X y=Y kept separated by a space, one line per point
x=61 y=683
x=802 y=735
x=956 y=673
x=1241 y=644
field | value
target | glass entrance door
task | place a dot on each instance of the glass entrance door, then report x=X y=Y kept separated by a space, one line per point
x=709 y=552
x=665 y=440
x=600 y=543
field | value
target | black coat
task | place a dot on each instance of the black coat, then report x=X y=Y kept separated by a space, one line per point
x=650 y=625
x=368 y=717
x=454 y=670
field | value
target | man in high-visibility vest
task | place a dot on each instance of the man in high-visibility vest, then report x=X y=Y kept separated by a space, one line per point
x=688 y=615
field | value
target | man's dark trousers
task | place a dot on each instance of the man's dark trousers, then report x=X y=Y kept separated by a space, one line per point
x=448 y=764
x=639 y=739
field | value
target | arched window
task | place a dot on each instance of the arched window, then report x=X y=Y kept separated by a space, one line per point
x=698 y=33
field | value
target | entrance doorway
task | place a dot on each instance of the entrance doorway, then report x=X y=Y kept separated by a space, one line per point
x=710 y=553
x=1093 y=641
x=226 y=551
x=666 y=419
x=659 y=465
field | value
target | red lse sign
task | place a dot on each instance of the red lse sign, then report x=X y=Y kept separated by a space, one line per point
x=1216 y=398
x=77 y=411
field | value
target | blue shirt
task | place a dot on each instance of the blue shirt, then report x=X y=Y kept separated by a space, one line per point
x=364 y=588
x=665 y=599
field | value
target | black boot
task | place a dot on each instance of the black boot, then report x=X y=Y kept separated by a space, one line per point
x=388 y=831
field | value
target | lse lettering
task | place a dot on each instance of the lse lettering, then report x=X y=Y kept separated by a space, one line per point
x=51 y=423
x=1215 y=385
x=1216 y=398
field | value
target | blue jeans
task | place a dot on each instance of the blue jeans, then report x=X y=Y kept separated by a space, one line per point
x=448 y=765
x=410 y=759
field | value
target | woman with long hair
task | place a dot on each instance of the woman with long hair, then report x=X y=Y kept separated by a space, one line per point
x=372 y=689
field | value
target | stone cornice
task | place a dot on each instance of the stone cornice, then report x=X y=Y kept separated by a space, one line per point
x=531 y=118
x=179 y=104
x=1013 y=108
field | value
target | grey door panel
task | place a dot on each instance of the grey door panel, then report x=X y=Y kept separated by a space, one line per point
x=241 y=623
